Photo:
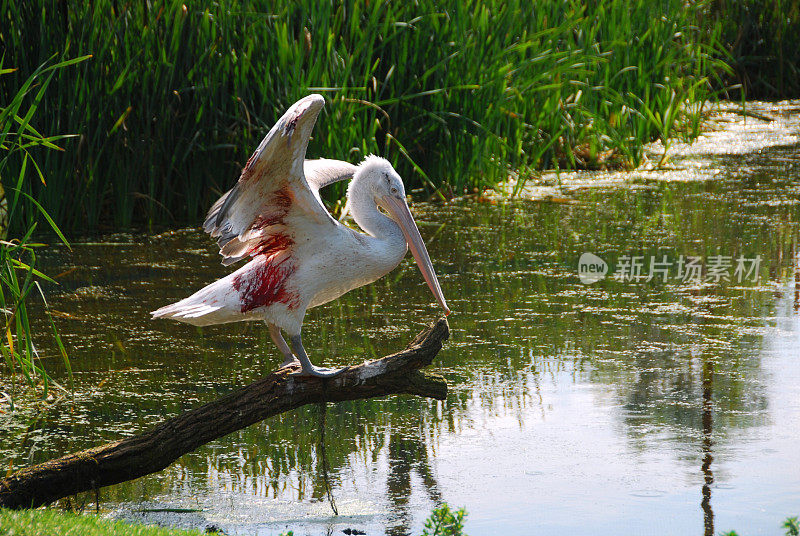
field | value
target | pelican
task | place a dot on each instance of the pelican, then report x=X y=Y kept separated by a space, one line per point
x=300 y=255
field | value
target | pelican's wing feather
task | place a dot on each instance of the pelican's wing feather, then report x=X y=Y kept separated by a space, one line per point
x=272 y=201
x=324 y=171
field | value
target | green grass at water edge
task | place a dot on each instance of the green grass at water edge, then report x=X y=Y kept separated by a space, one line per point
x=44 y=522
x=19 y=277
x=57 y=523
x=442 y=522
x=456 y=94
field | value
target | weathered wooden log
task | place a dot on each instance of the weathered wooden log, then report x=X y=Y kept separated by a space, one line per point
x=155 y=449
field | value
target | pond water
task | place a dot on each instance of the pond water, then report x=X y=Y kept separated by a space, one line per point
x=633 y=405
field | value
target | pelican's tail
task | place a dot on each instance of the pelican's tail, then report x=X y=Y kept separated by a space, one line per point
x=205 y=307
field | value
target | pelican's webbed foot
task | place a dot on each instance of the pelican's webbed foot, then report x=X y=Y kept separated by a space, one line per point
x=308 y=368
x=319 y=372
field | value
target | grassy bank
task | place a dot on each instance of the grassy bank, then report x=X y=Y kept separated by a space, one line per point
x=442 y=522
x=177 y=94
x=57 y=523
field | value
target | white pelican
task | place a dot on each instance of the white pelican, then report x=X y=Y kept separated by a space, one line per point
x=301 y=256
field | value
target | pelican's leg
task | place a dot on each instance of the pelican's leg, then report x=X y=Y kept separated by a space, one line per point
x=308 y=368
x=277 y=338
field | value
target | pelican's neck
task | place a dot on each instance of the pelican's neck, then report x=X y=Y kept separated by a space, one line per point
x=375 y=223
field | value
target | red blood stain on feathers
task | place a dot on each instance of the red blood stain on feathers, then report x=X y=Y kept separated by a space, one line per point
x=249 y=165
x=282 y=198
x=276 y=208
x=250 y=168
x=273 y=246
x=267 y=284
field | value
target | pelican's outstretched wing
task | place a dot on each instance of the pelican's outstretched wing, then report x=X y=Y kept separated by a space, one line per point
x=263 y=212
x=324 y=171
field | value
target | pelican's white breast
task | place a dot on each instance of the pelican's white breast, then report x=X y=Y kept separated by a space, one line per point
x=333 y=264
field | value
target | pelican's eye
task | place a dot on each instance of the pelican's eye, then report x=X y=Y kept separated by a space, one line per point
x=393 y=190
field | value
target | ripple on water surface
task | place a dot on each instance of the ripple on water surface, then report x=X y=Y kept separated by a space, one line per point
x=618 y=405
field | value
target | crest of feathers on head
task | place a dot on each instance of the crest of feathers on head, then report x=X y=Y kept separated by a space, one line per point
x=369 y=164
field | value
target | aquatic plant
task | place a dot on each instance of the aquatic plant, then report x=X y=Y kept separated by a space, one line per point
x=445 y=522
x=18 y=274
x=760 y=36
x=458 y=96
x=791 y=524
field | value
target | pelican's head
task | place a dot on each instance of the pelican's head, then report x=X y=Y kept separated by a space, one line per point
x=386 y=187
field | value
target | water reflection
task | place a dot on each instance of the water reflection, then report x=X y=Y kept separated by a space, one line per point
x=588 y=405
x=407 y=455
x=708 y=441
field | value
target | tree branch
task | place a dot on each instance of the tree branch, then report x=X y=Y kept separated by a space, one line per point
x=157 y=448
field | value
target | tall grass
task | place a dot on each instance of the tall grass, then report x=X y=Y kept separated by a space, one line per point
x=457 y=94
x=761 y=37
x=18 y=274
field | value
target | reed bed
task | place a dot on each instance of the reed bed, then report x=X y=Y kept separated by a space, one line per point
x=19 y=277
x=458 y=95
x=761 y=37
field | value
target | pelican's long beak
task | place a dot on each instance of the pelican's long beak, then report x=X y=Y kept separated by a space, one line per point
x=398 y=210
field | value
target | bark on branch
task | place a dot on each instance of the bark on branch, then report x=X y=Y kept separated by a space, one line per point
x=155 y=449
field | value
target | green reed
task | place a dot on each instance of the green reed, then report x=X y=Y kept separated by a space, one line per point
x=459 y=95
x=761 y=37
x=19 y=277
